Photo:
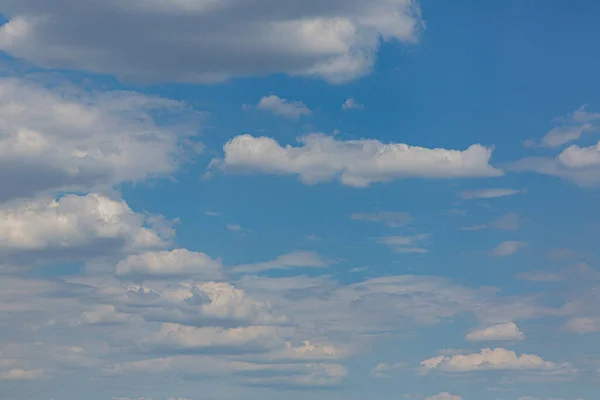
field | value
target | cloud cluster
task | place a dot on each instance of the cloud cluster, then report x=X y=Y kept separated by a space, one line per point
x=65 y=138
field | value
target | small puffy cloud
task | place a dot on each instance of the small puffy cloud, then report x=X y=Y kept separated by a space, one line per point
x=296 y=259
x=405 y=244
x=75 y=224
x=357 y=163
x=169 y=264
x=282 y=107
x=583 y=325
x=444 y=396
x=488 y=359
x=390 y=218
x=64 y=138
x=508 y=248
x=351 y=104
x=488 y=193
x=507 y=331
x=208 y=41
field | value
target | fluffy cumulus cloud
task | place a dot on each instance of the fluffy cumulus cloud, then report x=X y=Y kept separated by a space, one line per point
x=507 y=331
x=75 y=226
x=207 y=41
x=357 y=163
x=64 y=138
x=488 y=359
x=283 y=107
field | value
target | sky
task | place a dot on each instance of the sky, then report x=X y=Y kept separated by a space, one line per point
x=258 y=199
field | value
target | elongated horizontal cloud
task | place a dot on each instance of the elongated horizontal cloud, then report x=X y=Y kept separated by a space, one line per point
x=392 y=219
x=355 y=163
x=170 y=264
x=207 y=41
x=507 y=331
x=444 y=396
x=488 y=193
x=487 y=359
x=296 y=259
x=64 y=138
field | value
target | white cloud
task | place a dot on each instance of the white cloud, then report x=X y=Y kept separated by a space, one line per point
x=74 y=224
x=488 y=359
x=506 y=331
x=508 y=248
x=64 y=138
x=580 y=165
x=240 y=340
x=201 y=304
x=357 y=163
x=283 y=107
x=296 y=259
x=573 y=127
x=405 y=244
x=169 y=264
x=351 y=104
x=208 y=41
x=488 y=193
x=392 y=219
x=234 y=227
x=444 y=396
x=583 y=325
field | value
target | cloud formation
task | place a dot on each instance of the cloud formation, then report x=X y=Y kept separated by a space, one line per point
x=207 y=41
x=357 y=163
x=64 y=138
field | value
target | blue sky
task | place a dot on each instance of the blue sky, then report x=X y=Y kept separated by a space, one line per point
x=326 y=199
